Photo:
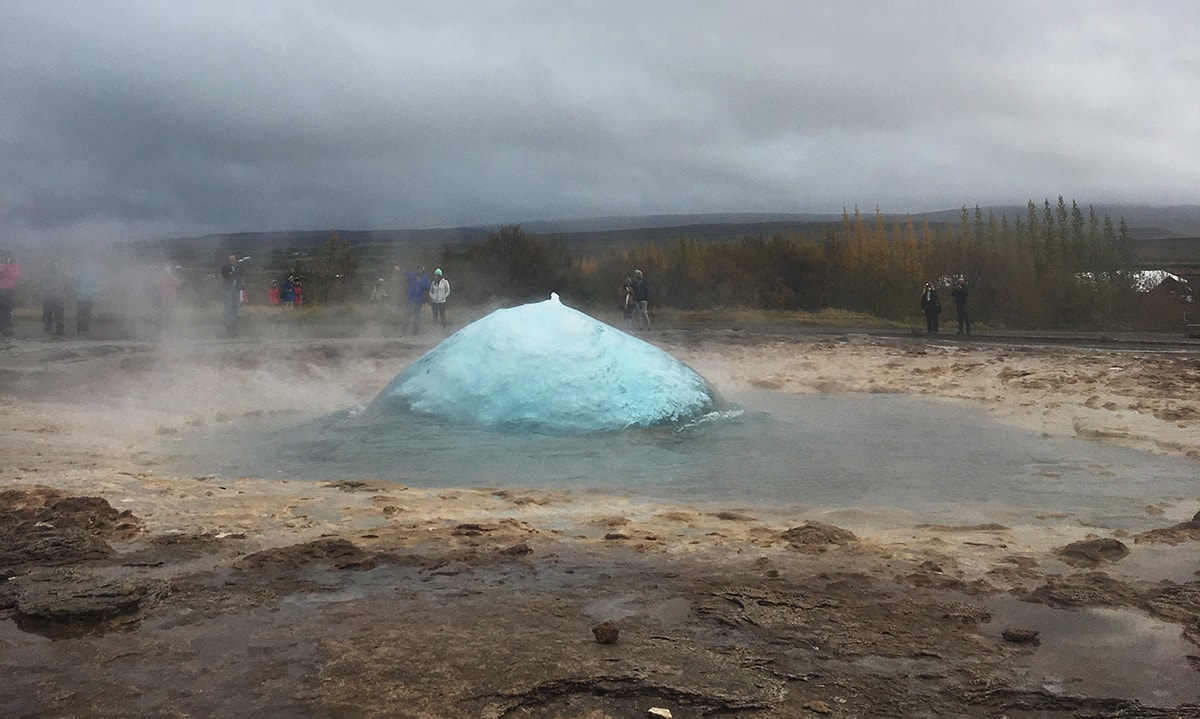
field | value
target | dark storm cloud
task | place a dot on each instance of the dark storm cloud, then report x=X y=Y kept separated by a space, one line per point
x=157 y=118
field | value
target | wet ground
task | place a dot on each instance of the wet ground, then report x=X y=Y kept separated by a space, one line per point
x=421 y=618
x=134 y=591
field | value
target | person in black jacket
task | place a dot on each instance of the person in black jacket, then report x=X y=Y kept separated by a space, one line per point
x=231 y=292
x=959 y=293
x=627 y=303
x=641 y=300
x=932 y=307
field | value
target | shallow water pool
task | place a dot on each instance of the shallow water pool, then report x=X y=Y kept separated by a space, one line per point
x=933 y=461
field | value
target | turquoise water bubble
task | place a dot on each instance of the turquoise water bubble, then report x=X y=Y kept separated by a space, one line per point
x=548 y=367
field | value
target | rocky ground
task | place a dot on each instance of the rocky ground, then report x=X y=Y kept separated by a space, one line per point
x=134 y=593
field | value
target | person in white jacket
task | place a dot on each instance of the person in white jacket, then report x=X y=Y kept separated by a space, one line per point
x=439 y=291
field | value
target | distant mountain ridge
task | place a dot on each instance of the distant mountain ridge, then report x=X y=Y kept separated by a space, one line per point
x=639 y=222
x=1171 y=230
x=1143 y=220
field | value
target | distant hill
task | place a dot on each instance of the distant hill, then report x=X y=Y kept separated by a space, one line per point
x=1178 y=224
x=597 y=234
x=1180 y=255
x=643 y=222
x=1143 y=221
x=210 y=248
x=589 y=241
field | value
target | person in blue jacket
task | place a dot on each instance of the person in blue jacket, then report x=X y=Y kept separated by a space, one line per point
x=641 y=300
x=414 y=298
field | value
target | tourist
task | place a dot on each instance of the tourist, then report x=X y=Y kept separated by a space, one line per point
x=627 y=303
x=287 y=292
x=166 y=293
x=231 y=278
x=439 y=292
x=55 y=287
x=641 y=299
x=86 y=287
x=379 y=291
x=415 y=293
x=932 y=307
x=10 y=272
x=959 y=293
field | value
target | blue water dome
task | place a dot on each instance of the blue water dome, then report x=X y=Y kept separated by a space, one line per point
x=545 y=366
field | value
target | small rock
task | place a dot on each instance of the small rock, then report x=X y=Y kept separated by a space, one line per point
x=733 y=516
x=1183 y=532
x=471 y=529
x=606 y=632
x=659 y=712
x=1021 y=636
x=818 y=706
x=818 y=533
x=1092 y=552
x=64 y=602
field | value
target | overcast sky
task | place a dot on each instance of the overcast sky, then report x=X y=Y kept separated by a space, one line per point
x=166 y=118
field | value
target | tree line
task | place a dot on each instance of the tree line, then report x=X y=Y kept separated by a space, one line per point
x=1058 y=266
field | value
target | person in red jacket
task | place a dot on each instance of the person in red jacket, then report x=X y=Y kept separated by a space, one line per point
x=10 y=272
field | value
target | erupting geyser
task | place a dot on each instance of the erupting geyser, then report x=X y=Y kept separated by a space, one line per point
x=548 y=367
